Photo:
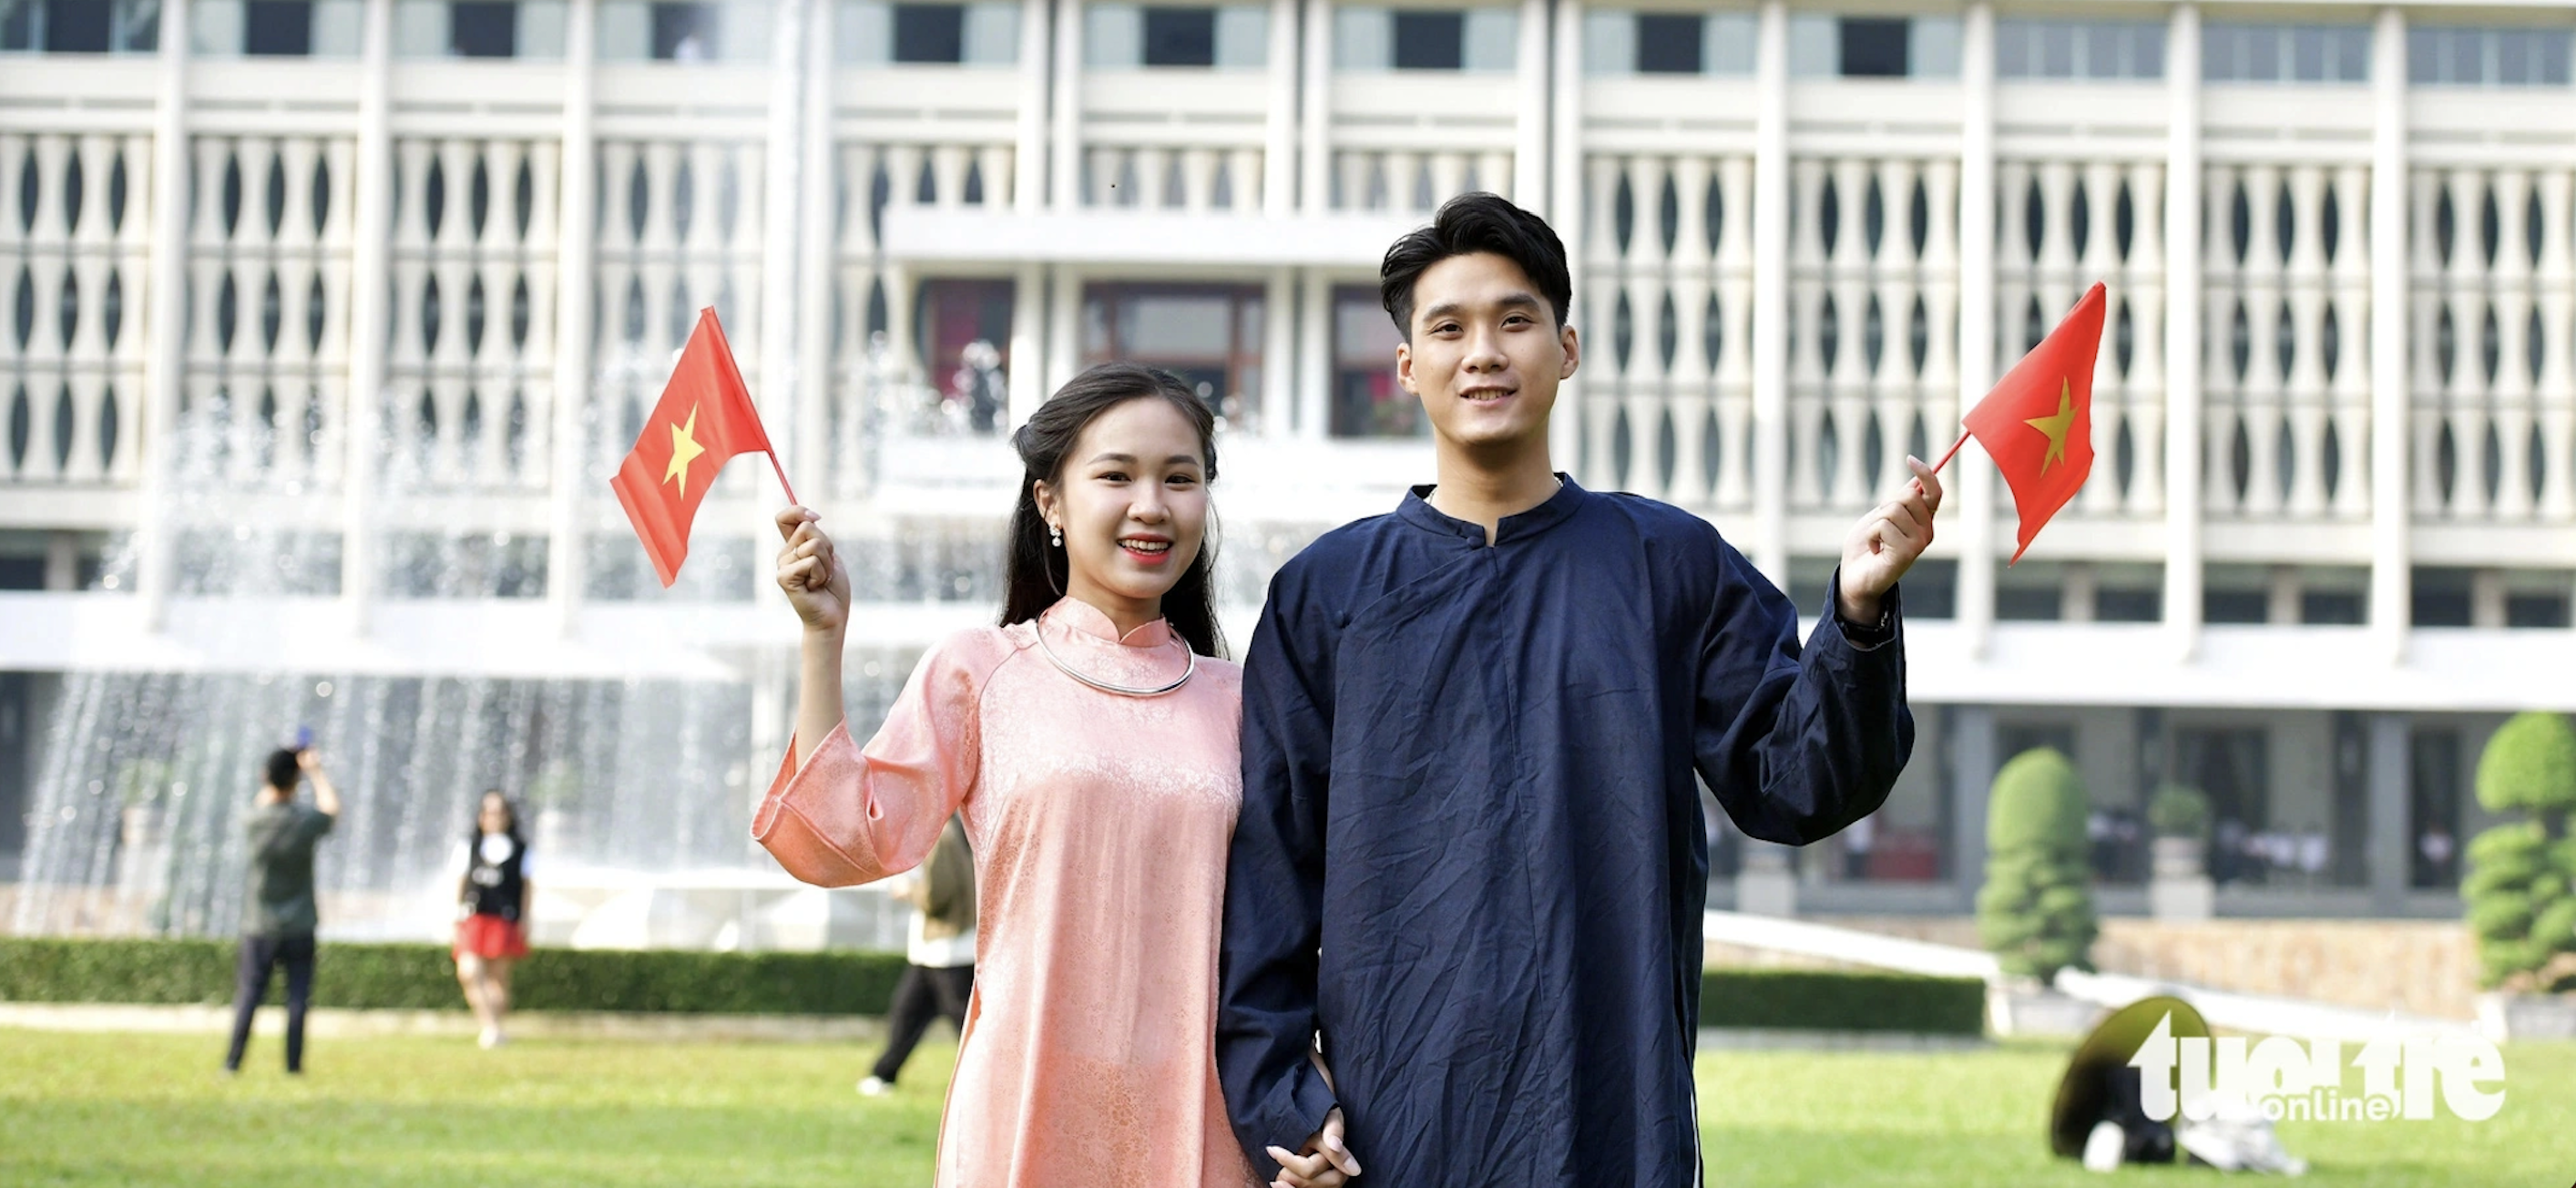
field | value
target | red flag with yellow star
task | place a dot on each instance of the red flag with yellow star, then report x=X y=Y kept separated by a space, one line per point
x=2038 y=423
x=705 y=416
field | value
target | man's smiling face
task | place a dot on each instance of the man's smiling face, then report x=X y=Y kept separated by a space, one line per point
x=1484 y=353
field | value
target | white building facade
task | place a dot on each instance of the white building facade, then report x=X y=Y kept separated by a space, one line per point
x=381 y=288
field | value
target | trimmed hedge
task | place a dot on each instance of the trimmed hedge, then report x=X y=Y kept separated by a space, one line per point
x=1822 y=1000
x=421 y=977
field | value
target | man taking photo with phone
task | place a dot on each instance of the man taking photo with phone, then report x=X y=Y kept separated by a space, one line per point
x=279 y=915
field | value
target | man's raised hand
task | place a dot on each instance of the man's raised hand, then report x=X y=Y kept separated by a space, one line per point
x=1886 y=542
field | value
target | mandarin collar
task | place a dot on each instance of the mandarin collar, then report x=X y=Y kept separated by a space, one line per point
x=1555 y=509
x=1082 y=618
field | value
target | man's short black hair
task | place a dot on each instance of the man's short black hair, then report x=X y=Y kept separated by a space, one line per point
x=283 y=770
x=1467 y=224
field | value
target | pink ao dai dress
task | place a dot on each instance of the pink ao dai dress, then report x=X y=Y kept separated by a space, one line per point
x=1100 y=824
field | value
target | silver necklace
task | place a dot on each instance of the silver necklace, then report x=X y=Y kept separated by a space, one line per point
x=1104 y=686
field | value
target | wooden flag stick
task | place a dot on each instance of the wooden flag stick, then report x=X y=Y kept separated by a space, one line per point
x=791 y=491
x=1936 y=467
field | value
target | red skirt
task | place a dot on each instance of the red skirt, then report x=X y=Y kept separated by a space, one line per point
x=490 y=937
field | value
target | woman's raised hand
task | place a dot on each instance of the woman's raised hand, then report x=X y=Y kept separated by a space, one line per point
x=810 y=571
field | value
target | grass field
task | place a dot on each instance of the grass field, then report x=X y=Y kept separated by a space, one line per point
x=152 y=1110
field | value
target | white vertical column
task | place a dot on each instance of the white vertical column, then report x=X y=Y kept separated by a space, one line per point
x=781 y=383
x=1315 y=155
x=576 y=248
x=1771 y=294
x=1976 y=479
x=1064 y=326
x=2391 y=595
x=1279 y=141
x=1064 y=180
x=818 y=250
x=1315 y=356
x=1566 y=210
x=1279 y=354
x=2183 y=370
x=370 y=264
x=1529 y=146
x=1028 y=377
x=165 y=367
x=1029 y=181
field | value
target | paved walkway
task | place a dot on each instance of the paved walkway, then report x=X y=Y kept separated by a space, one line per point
x=332 y=1023
x=2265 y=1014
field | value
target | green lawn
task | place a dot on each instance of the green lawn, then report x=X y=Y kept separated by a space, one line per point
x=150 y=1109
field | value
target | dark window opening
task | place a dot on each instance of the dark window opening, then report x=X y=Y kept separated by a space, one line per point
x=77 y=26
x=483 y=30
x=2535 y=610
x=1430 y=40
x=1180 y=37
x=1931 y=590
x=2338 y=608
x=2128 y=605
x=1207 y=334
x=1367 y=402
x=965 y=341
x=2232 y=768
x=1873 y=47
x=2433 y=806
x=278 y=28
x=1670 y=43
x=2234 y=606
x=2014 y=739
x=2441 y=597
x=684 y=32
x=2029 y=604
x=929 y=33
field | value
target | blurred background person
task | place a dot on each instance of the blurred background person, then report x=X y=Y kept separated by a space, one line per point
x=939 y=953
x=492 y=910
x=280 y=917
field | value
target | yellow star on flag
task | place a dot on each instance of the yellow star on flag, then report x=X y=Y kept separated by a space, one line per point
x=685 y=449
x=2055 y=426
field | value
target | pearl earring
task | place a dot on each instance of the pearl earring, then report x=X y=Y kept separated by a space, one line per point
x=1055 y=536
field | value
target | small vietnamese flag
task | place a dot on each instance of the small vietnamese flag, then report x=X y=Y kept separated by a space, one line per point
x=705 y=416
x=2038 y=423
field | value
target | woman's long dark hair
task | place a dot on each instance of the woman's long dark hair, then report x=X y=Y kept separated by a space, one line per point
x=474 y=832
x=1034 y=573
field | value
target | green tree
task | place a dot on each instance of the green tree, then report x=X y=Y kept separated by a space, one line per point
x=2518 y=887
x=2036 y=909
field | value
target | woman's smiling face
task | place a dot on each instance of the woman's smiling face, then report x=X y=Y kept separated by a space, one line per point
x=1131 y=500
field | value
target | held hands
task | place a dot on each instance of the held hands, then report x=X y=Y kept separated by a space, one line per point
x=1324 y=1162
x=810 y=571
x=1886 y=543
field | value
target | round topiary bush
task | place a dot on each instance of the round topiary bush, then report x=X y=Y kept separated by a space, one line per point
x=2179 y=811
x=2036 y=909
x=2518 y=885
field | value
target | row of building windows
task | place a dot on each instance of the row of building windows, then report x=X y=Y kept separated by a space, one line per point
x=1236 y=36
x=2490 y=57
